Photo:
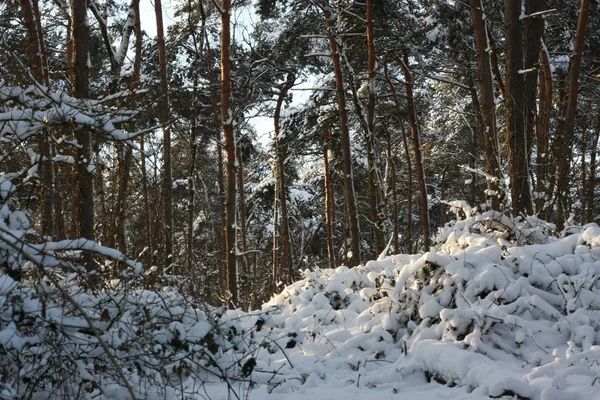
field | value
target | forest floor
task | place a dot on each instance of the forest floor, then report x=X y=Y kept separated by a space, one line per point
x=498 y=308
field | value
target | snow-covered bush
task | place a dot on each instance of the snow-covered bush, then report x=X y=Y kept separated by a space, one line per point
x=497 y=305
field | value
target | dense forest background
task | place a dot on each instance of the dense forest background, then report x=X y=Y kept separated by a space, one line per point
x=118 y=148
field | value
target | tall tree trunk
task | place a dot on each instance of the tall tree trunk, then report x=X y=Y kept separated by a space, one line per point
x=36 y=51
x=375 y=196
x=220 y=245
x=407 y=158
x=275 y=244
x=392 y=165
x=409 y=191
x=285 y=258
x=329 y=200
x=487 y=102
x=590 y=207
x=349 y=193
x=443 y=196
x=72 y=227
x=85 y=185
x=515 y=102
x=146 y=198
x=563 y=149
x=534 y=25
x=165 y=116
x=125 y=161
x=227 y=122
x=242 y=212
x=191 y=212
x=123 y=188
x=494 y=62
x=412 y=117
x=542 y=134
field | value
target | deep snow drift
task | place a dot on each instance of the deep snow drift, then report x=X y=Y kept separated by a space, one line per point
x=497 y=308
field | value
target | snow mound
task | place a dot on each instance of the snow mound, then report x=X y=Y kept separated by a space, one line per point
x=496 y=307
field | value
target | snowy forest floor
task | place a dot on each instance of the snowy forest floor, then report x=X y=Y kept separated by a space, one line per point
x=498 y=308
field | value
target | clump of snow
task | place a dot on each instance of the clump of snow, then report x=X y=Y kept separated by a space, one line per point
x=497 y=306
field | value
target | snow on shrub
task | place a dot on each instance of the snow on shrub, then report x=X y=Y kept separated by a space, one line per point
x=59 y=339
x=497 y=305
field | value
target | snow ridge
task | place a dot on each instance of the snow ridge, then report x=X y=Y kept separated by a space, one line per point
x=479 y=311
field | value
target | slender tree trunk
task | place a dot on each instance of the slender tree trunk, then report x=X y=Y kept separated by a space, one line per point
x=495 y=67
x=590 y=207
x=123 y=188
x=147 y=217
x=563 y=148
x=584 y=178
x=487 y=102
x=409 y=192
x=349 y=193
x=72 y=226
x=85 y=185
x=542 y=133
x=191 y=179
x=36 y=51
x=103 y=217
x=165 y=116
x=443 y=196
x=230 y=146
x=515 y=103
x=276 y=277
x=242 y=212
x=477 y=137
x=285 y=261
x=412 y=117
x=329 y=201
x=392 y=163
x=375 y=196
x=534 y=25
x=128 y=156
x=220 y=244
x=408 y=160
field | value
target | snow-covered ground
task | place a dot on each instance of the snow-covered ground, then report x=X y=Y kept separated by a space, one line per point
x=498 y=308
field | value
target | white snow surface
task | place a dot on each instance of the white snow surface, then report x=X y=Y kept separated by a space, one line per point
x=496 y=309
x=476 y=317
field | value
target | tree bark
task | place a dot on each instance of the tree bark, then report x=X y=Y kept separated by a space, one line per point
x=412 y=117
x=590 y=206
x=191 y=185
x=275 y=244
x=495 y=67
x=515 y=102
x=392 y=165
x=243 y=263
x=563 y=148
x=230 y=146
x=487 y=102
x=85 y=185
x=542 y=134
x=408 y=160
x=349 y=193
x=329 y=201
x=165 y=116
x=220 y=244
x=534 y=25
x=36 y=50
x=285 y=259
x=375 y=195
